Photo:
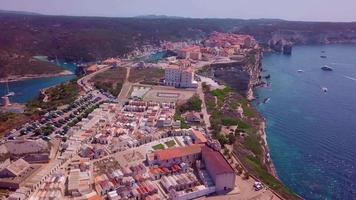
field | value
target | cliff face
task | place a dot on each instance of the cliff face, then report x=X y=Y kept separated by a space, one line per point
x=242 y=75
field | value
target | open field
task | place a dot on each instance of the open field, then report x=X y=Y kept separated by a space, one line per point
x=111 y=80
x=146 y=75
x=168 y=94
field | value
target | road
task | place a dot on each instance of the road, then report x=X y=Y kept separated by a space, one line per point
x=84 y=82
x=204 y=111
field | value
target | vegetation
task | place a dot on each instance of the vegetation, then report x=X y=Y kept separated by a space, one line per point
x=151 y=75
x=158 y=147
x=59 y=95
x=256 y=167
x=9 y=121
x=111 y=80
x=178 y=116
x=170 y=143
x=222 y=105
x=221 y=93
x=193 y=104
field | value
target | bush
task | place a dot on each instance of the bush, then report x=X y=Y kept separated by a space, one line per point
x=228 y=121
x=243 y=125
x=193 y=104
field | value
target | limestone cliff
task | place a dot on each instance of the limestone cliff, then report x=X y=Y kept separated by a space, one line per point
x=242 y=74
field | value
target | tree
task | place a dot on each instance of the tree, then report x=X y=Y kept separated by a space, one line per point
x=231 y=138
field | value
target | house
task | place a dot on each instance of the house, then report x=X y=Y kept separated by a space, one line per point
x=198 y=137
x=14 y=169
x=192 y=117
x=177 y=155
x=219 y=169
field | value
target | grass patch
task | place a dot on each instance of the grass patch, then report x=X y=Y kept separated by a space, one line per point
x=178 y=116
x=248 y=111
x=158 y=147
x=9 y=121
x=251 y=142
x=221 y=93
x=170 y=143
x=147 y=75
x=110 y=80
x=243 y=125
x=229 y=121
x=193 y=104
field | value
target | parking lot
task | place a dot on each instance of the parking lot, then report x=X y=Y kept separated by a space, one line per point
x=56 y=123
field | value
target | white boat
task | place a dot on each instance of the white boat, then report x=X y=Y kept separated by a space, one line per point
x=8 y=93
x=324 y=89
x=300 y=71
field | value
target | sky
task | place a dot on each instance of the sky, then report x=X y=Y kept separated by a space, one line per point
x=297 y=10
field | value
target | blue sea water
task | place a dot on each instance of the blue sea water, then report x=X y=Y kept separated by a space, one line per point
x=312 y=134
x=28 y=89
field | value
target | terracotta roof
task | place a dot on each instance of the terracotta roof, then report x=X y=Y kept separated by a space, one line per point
x=199 y=137
x=95 y=197
x=215 y=161
x=178 y=152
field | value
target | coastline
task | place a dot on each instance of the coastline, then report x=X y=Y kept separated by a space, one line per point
x=268 y=160
x=16 y=78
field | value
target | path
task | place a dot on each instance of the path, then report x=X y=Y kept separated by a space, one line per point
x=122 y=97
x=84 y=82
x=204 y=111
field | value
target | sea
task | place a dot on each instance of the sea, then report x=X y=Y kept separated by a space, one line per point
x=312 y=133
x=29 y=89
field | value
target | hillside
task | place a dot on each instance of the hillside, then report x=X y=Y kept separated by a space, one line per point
x=93 y=38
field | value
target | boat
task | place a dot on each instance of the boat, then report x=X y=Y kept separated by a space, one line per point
x=326 y=68
x=300 y=71
x=323 y=56
x=322 y=51
x=8 y=93
x=324 y=89
x=268 y=76
x=266 y=100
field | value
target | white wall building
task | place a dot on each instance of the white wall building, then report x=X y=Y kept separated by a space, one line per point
x=180 y=77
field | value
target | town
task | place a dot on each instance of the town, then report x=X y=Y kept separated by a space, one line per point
x=152 y=141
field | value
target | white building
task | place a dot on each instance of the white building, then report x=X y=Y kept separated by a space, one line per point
x=180 y=77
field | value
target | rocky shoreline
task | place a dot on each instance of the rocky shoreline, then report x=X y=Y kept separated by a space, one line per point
x=15 y=78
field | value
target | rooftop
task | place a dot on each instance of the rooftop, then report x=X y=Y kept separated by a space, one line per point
x=217 y=163
x=178 y=152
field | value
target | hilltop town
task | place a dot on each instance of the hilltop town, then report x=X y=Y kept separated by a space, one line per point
x=169 y=129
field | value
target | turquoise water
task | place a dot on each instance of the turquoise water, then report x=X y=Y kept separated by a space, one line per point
x=312 y=134
x=157 y=56
x=29 y=89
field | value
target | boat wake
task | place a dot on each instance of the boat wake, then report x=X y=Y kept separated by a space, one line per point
x=351 y=78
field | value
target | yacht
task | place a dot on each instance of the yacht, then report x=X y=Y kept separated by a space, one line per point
x=326 y=68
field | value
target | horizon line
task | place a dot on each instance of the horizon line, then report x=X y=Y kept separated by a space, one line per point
x=160 y=16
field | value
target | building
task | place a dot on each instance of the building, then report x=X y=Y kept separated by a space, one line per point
x=14 y=169
x=192 y=117
x=198 y=137
x=219 y=169
x=169 y=157
x=180 y=77
x=33 y=151
x=192 y=52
